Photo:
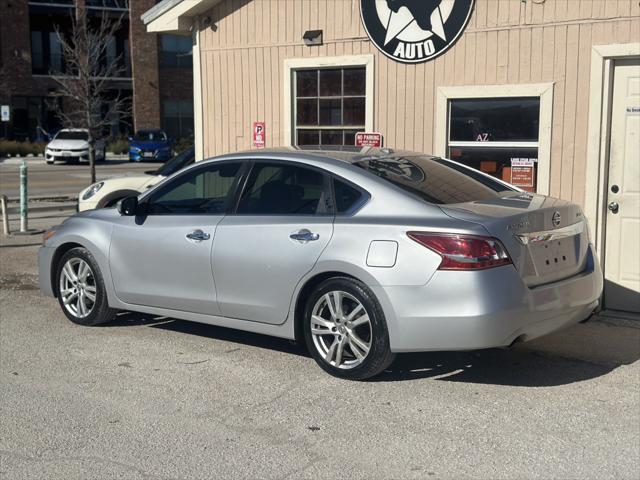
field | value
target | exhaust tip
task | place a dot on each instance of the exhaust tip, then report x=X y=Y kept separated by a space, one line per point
x=518 y=339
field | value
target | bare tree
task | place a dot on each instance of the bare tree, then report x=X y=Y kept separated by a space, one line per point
x=85 y=80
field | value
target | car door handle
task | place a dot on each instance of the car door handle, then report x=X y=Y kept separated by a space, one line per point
x=198 y=235
x=304 y=235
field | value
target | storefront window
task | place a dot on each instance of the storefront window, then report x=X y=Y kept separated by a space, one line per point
x=498 y=136
x=178 y=118
x=329 y=105
x=175 y=51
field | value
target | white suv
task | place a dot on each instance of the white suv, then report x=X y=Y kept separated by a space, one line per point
x=72 y=144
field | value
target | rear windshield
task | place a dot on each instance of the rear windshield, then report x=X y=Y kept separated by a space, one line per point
x=144 y=136
x=177 y=163
x=434 y=179
x=72 y=136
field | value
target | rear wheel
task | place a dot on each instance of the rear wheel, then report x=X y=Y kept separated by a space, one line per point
x=81 y=291
x=345 y=330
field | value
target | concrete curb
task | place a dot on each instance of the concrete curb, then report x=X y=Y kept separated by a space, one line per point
x=60 y=207
x=46 y=198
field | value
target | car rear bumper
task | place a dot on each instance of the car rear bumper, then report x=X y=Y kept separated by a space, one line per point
x=484 y=309
x=45 y=257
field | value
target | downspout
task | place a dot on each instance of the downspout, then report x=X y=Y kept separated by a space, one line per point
x=198 y=131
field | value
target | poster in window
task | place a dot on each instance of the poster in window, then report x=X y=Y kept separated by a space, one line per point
x=522 y=172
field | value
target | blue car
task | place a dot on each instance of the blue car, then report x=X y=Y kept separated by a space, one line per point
x=152 y=145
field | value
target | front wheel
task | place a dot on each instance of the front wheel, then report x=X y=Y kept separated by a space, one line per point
x=345 y=330
x=81 y=292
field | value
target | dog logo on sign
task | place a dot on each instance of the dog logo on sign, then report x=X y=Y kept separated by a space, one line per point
x=415 y=31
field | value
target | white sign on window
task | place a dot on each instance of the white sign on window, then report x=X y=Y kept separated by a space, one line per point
x=5 y=113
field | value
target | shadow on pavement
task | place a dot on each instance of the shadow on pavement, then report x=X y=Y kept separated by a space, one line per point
x=494 y=367
x=579 y=353
x=209 y=331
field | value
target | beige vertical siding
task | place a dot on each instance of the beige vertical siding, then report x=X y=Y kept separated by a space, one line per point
x=506 y=42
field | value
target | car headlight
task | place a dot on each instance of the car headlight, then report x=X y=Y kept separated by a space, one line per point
x=134 y=149
x=93 y=189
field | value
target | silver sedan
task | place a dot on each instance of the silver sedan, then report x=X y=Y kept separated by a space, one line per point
x=360 y=254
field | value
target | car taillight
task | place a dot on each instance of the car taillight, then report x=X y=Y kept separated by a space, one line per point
x=463 y=252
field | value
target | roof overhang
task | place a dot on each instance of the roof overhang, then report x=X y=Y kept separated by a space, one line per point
x=175 y=16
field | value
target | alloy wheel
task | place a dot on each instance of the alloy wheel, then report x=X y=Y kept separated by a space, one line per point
x=341 y=329
x=78 y=287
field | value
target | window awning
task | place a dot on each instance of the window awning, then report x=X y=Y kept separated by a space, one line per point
x=175 y=16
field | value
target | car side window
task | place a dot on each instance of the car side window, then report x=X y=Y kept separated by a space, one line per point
x=284 y=189
x=200 y=191
x=346 y=196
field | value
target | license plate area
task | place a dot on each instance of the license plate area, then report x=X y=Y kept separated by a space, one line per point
x=555 y=255
x=147 y=154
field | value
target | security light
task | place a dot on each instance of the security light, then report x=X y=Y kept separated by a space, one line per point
x=312 y=37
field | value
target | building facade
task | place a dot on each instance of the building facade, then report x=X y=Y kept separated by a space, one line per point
x=156 y=69
x=541 y=93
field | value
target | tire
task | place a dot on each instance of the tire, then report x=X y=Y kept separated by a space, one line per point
x=96 y=311
x=362 y=340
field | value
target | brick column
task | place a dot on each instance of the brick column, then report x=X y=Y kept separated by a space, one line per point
x=15 y=47
x=144 y=67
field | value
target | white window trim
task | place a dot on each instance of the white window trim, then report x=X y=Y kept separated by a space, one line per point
x=600 y=99
x=198 y=128
x=542 y=90
x=292 y=64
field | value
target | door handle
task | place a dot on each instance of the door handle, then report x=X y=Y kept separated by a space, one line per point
x=613 y=206
x=198 y=235
x=304 y=235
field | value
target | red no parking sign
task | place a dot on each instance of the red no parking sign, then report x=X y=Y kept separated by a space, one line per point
x=259 y=135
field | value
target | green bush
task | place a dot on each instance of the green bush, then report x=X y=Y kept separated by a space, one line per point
x=13 y=148
x=118 y=146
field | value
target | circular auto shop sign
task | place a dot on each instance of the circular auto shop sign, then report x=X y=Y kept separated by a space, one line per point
x=415 y=31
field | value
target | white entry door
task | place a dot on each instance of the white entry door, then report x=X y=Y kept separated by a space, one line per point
x=622 y=248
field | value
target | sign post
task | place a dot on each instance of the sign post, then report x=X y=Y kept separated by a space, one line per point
x=24 y=205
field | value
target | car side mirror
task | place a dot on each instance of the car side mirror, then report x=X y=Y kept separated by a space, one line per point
x=129 y=206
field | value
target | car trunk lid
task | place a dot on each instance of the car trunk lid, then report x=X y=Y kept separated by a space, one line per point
x=546 y=238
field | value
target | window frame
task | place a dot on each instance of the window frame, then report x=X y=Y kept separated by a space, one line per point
x=195 y=169
x=291 y=65
x=542 y=90
x=318 y=97
x=365 y=196
x=327 y=186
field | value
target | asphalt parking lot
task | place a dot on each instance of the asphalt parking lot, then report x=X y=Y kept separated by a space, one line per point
x=147 y=398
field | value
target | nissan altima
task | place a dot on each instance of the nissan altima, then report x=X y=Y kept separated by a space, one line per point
x=360 y=254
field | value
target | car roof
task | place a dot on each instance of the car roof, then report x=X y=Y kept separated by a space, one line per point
x=347 y=154
x=73 y=130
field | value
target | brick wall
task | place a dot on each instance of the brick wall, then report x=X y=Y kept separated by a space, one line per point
x=144 y=64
